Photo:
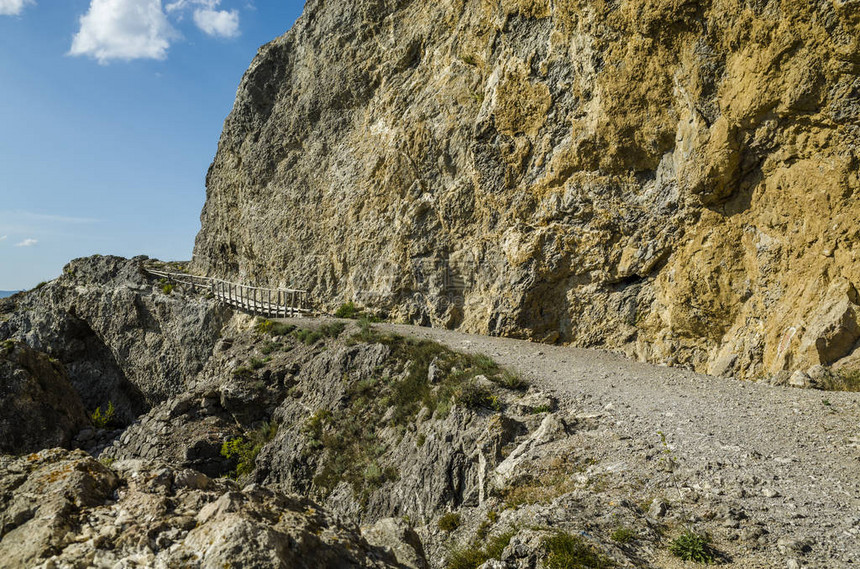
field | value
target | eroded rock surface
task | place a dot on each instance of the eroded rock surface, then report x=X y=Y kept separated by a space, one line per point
x=121 y=338
x=66 y=509
x=39 y=408
x=675 y=180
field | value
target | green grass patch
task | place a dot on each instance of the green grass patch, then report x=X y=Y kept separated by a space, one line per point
x=623 y=534
x=274 y=328
x=353 y=312
x=566 y=551
x=243 y=372
x=692 y=546
x=474 y=556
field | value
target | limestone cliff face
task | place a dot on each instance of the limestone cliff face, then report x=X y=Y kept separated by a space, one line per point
x=674 y=179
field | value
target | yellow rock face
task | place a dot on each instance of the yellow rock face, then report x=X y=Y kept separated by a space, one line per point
x=674 y=179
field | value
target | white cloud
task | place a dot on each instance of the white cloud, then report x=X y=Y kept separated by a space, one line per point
x=220 y=23
x=13 y=7
x=27 y=243
x=123 y=29
x=3 y=237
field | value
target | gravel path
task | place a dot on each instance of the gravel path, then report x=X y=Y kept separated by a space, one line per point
x=791 y=456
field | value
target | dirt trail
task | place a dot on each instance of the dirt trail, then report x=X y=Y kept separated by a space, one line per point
x=791 y=455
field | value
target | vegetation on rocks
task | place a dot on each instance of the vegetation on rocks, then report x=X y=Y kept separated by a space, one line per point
x=693 y=546
x=566 y=551
x=245 y=450
x=102 y=420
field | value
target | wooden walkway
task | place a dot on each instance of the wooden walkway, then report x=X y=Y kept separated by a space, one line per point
x=266 y=302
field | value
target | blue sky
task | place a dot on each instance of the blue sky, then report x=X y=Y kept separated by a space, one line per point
x=110 y=113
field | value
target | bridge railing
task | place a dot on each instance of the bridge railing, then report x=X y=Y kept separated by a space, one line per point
x=259 y=301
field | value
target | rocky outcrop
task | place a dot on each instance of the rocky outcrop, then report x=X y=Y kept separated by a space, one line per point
x=62 y=509
x=120 y=336
x=39 y=408
x=675 y=180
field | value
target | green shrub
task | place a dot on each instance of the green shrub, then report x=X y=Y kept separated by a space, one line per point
x=353 y=312
x=347 y=310
x=473 y=556
x=256 y=363
x=167 y=289
x=245 y=451
x=269 y=348
x=449 y=522
x=692 y=546
x=274 y=328
x=7 y=347
x=512 y=381
x=102 y=420
x=484 y=364
x=332 y=330
x=565 y=551
x=40 y=285
x=466 y=558
x=497 y=544
x=307 y=337
x=623 y=534
x=243 y=372
x=474 y=396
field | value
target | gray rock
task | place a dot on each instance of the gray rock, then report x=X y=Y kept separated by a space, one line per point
x=65 y=514
x=526 y=181
x=397 y=536
x=657 y=509
x=121 y=339
x=39 y=408
x=800 y=379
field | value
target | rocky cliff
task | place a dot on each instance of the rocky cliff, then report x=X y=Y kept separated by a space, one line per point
x=673 y=179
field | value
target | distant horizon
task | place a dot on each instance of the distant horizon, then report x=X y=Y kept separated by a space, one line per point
x=109 y=128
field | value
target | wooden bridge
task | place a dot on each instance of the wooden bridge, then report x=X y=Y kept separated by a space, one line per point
x=266 y=302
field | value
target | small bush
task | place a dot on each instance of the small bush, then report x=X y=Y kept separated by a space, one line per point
x=692 y=546
x=256 y=363
x=307 y=337
x=102 y=420
x=274 y=328
x=243 y=372
x=512 y=381
x=565 y=551
x=466 y=558
x=40 y=285
x=474 y=396
x=332 y=330
x=270 y=347
x=167 y=289
x=473 y=556
x=245 y=451
x=347 y=310
x=623 y=535
x=449 y=522
x=497 y=544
